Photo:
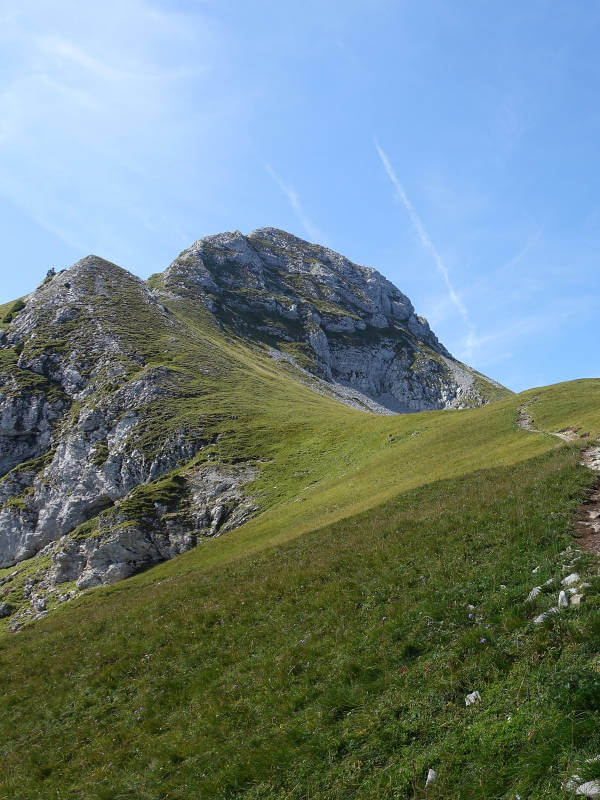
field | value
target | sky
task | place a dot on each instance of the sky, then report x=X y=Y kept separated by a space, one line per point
x=452 y=146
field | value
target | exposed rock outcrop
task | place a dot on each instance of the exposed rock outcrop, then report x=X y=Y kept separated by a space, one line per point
x=157 y=522
x=343 y=322
x=26 y=423
x=81 y=396
x=209 y=502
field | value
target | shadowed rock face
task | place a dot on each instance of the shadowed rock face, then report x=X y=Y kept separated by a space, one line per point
x=344 y=323
x=100 y=395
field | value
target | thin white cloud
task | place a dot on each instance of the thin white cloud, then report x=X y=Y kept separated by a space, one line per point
x=516 y=330
x=95 y=115
x=471 y=338
x=311 y=229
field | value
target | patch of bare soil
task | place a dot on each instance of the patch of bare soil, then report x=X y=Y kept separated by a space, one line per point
x=525 y=421
x=570 y=433
x=587 y=518
x=587 y=522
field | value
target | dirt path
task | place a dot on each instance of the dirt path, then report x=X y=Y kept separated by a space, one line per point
x=587 y=522
x=587 y=517
x=525 y=421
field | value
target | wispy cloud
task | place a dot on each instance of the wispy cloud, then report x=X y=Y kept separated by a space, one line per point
x=95 y=115
x=425 y=239
x=519 y=329
x=311 y=229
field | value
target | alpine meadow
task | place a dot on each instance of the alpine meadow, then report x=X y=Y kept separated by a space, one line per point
x=263 y=537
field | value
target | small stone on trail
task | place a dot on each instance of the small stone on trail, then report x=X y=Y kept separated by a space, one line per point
x=472 y=698
x=535 y=570
x=562 y=600
x=431 y=776
x=570 y=579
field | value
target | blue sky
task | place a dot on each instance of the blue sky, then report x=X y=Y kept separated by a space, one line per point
x=453 y=146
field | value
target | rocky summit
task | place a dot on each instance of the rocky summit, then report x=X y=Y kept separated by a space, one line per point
x=120 y=444
x=342 y=322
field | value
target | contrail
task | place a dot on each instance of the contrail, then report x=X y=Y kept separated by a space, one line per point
x=428 y=245
x=315 y=234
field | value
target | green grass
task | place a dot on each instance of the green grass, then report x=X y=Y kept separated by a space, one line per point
x=5 y=307
x=574 y=404
x=10 y=310
x=139 y=507
x=333 y=666
x=12 y=592
x=324 y=649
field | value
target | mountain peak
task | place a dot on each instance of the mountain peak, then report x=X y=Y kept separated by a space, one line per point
x=269 y=232
x=93 y=263
x=343 y=322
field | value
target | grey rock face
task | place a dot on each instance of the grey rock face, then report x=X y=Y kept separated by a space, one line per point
x=80 y=396
x=589 y=789
x=357 y=329
x=534 y=593
x=571 y=580
x=472 y=698
x=95 y=461
x=26 y=424
x=211 y=503
x=563 y=601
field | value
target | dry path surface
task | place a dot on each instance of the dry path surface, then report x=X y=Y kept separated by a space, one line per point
x=525 y=421
x=587 y=523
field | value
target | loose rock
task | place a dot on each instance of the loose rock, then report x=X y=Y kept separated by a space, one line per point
x=576 y=599
x=589 y=789
x=572 y=783
x=472 y=698
x=538 y=620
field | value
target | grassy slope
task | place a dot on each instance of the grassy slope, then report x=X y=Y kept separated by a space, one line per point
x=309 y=669
x=6 y=307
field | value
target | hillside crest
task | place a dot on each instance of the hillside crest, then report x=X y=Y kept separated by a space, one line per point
x=125 y=405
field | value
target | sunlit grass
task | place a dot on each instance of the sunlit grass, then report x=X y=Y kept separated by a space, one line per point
x=324 y=649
